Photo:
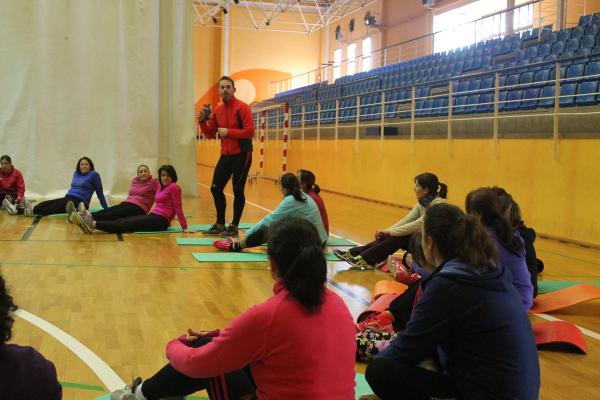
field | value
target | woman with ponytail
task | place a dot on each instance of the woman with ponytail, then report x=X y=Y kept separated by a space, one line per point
x=308 y=185
x=429 y=191
x=295 y=203
x=468 y=336
x=299 y=344
x=485 y=204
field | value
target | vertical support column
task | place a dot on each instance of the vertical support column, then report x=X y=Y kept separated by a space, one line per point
x=262 y=125
x=318 y=126
x=357 y=122
x=496 y=115
x=226 y=33
x=413 y=102
x=382 y=122
x=556 y=133
x=302 y=126
x=286 y=117
x=450 y=101
x=337 y=123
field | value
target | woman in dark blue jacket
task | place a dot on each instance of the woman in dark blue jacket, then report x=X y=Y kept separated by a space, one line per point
x=469 y=319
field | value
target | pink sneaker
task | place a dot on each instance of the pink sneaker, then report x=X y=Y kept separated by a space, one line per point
x=222 y=244
x=381 y=322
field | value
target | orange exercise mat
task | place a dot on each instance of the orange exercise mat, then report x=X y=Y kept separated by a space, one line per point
x=564 y=298
x=388 y=287
x=557 y=333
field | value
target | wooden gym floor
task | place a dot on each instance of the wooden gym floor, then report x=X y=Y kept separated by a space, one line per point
x=124 y=299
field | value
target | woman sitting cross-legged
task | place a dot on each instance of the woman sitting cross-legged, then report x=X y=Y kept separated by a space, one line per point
x=295 y=203
x=299 y=344
x=469 y=320
x=429 y=191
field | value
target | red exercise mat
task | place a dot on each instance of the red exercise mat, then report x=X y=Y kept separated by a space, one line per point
x=564 y=298
x=378 y=306
x=559 y=332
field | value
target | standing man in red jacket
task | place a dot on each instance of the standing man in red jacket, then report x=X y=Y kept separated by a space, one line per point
x=232 y=121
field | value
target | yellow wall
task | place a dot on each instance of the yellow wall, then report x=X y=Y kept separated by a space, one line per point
x=557 y=197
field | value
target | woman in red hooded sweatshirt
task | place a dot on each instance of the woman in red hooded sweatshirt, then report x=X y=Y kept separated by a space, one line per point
x=12 y=189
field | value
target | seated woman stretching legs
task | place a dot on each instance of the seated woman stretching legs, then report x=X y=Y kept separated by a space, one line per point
x=299 y=344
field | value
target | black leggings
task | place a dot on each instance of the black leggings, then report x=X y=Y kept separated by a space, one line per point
x=235 y=167
x=378 y=250
x=122 y=210
x=392 y=380
x=56 y=206
x=168 y=382
x=402 y=306
x=257 y=238
x=140 y=223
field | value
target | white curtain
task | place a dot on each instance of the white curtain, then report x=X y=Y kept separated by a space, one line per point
x=109 y=79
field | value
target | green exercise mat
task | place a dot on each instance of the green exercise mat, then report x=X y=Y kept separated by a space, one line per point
x=208 y=241
x=553 y=286
x=339 y=241
x=195 y=228
x=362 y=386
x=242 y=256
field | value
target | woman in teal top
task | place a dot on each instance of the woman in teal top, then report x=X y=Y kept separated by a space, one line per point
x=295 y=203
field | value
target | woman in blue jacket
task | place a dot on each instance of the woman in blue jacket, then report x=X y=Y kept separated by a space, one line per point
x=469 y=319
x=295 y=203
x=85 y=182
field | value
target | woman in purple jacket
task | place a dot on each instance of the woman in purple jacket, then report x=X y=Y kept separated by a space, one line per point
x=85 y=182
x=138 y=202
x=24 y=372
x=487 y=205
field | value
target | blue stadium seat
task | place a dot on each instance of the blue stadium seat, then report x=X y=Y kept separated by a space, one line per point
x=587 y=42
x=513 y=79
x=593 y=68
x=567 y=92
x=592 y=30
x=424 y=109
x=531 y=52
x=544 y=50
x=576 y=32
x=575 y=71
x=596 y=18
x=563 y=36
x=589 y=89
x=459 y=105
x=541 y=76
x=557 y=48
x=483 y=99
x=585 y=20
x=472 y=103
x=487 y=83
x=530 y=98
x=527 y=77
x=440 y=106
x=514 y=100
x=572 y=44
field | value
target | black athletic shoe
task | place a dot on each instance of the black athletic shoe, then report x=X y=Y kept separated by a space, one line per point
x=232 y=230
x=216 y=229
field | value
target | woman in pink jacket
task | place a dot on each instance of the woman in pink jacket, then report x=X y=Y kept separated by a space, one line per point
x=168 y=204
x=138 y=202
x=12 y=189
x=299 y=344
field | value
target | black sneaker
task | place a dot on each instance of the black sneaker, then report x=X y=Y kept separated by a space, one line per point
x=232 y=230
x=216 y=229
x=342 y=254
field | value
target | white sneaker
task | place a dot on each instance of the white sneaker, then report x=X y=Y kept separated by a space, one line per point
x=81 y=207
x=70 y=210
x=27 y=206
x=9 y=206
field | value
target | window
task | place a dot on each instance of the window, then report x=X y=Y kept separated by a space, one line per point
x=523 y=16
x=366 y=54
x=351 y=59
x=457 y=29
x=337 y=63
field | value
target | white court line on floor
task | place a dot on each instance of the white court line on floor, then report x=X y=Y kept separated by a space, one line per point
x=586 y=332
x=108 y=377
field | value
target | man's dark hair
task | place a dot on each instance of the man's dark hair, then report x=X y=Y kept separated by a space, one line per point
x=226 y=78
